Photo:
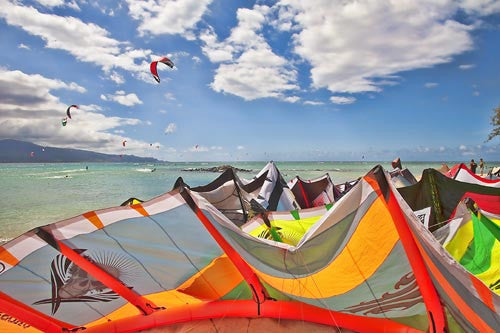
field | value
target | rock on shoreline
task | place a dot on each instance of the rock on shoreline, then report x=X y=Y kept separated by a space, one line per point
x=220 y=168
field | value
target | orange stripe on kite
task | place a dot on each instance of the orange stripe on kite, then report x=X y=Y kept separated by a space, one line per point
x=94 y=219
x=138 y=207
x=483 y=291
x=7 y=257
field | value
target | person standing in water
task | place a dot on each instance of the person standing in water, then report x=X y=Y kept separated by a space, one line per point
x=481 y=166
x=473 y=166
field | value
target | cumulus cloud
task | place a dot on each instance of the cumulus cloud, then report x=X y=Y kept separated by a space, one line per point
x=342 y=100
x=116 y=77
x=481 y=7
x=58 y=3
x=383 y=39
x=30 y=111
x=467 y=66
x=24 y=46
x=122 y=98
x=87 y=42
x=313 y=103
x=240 y=147
x=249 y=68
x=158 y=17
x=431 y=85
x=171 y=128
x=196 y=59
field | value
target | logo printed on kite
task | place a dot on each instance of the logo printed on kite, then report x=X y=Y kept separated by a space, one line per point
x=72 y=284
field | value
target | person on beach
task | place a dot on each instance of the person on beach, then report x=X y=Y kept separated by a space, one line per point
x=473 y=166
x=481 y=166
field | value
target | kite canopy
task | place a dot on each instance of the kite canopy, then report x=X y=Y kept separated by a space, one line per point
x=366 y=264
x=396 y=164
x=442 y=194
x=462 y=173
x=315 y=192
x=154 y=64
x=401 y=178
x=68 y=113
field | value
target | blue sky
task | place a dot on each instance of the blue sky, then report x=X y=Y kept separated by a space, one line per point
x=281 y=80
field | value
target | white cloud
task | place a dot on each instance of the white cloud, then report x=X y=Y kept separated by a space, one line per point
x=383 y=39
x=24 y=46
x=122 y=98
x=462 y=147
x=291 y=99
x=476 y=93
x=87 y=42
x=215 y=51
x=169 y=96
x=158 y=17
x=171 y=128
x=431 y=85
x=215 y=148
x=250 y=69
x=196 y=59
x=116 y=77
x=466 y=66
x=29 y=111
x=481 y=7
x=313 y=103
x=240 y=147
x=163 y=111
x=58 y=3
x=342 y=100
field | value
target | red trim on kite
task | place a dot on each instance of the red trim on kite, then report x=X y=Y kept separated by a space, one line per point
x=437 y=320
x=246 y=309
x=306 y=199
x=246 y=271
x=248 y=274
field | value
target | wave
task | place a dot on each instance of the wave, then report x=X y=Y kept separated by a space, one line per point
x=56 y=172
x=144 y=170
x=57 y=177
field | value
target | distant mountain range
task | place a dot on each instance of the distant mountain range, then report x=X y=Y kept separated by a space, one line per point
x=15 y=151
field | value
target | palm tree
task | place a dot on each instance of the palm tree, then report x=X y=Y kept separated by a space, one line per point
x=495 y=121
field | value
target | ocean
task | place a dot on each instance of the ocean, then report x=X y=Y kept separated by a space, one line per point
x=38 y=194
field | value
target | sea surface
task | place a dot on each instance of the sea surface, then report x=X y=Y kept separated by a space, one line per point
x=32 y=195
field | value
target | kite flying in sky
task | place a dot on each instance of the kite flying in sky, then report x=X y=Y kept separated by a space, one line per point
x=154 y=64
x=69 y=108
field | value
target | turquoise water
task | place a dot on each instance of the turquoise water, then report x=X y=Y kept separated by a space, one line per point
x=37 y=194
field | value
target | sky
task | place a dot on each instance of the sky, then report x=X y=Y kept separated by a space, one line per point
x=289 y=80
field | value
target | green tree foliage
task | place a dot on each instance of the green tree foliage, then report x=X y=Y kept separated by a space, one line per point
x=495 y=121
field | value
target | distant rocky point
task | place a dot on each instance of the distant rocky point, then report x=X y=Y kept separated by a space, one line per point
x=15 y=151
x=220 y=168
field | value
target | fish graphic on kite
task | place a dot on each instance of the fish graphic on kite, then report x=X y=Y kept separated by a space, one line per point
x=72 y=284
x=154 y=64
